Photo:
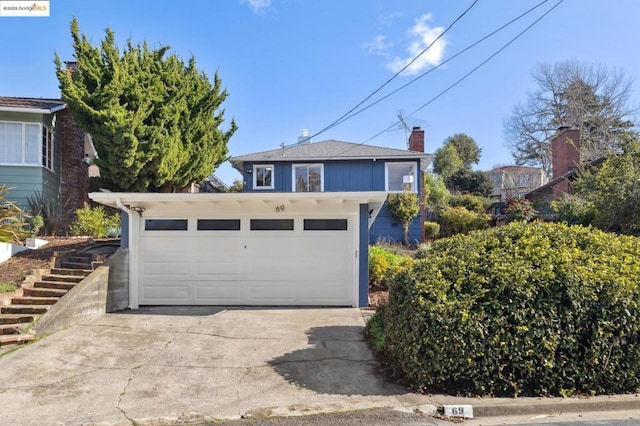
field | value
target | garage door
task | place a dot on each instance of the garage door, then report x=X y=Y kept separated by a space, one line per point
x=247 y=261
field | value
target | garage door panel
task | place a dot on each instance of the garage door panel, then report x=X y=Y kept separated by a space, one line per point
x=219 y=293
x=177 y=293
x=163 y=269
x=170 y=246
x=215 y=270
x=216 y=244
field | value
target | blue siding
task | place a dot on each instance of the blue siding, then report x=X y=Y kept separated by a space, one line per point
x=363 y=260
x=282 y=178
x=356 y=175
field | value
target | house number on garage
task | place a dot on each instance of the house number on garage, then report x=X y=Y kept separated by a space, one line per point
x=279 y=209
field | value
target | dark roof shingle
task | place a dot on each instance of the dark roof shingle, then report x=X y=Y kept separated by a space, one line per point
x=31 y=103
x=327 y=150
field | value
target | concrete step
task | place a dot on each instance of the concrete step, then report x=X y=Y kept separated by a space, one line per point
x=15 y=339
x=62 y=278
x=12 y=328
x=71 y=271
x=45 y=292
x=16 y=318
x=24 y=309
x=53 y=284
x=34 y=300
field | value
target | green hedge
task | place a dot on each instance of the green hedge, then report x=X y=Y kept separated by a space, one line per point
x=383 y=264
x=524 y=309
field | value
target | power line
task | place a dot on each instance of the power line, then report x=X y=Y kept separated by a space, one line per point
x=472 y=71
x=345 y=118
x=393 y=77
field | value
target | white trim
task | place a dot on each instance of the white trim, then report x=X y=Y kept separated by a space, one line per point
x=255 y=174
x=416 y=176
x=33 y=110
x=293 y=175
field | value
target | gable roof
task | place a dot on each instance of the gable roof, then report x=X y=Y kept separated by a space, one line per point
x=329 y=150
x=33 y=105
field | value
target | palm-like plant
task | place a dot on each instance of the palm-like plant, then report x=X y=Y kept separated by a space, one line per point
x=11 y=220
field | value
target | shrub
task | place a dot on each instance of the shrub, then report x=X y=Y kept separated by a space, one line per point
x=36 y=223
x=422 y=250
x=52 y=210
x=404 y=206
x=459 y=220
x=473 y=203
x=524 y=309
x=519 y=208
x=383 y=264
x=431 y=230
x=573 y=210
x=93 y=222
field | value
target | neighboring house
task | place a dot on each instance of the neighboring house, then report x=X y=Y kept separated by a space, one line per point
x=333 y=166
x=515 y=181
x=565 y=160
x=42 y=149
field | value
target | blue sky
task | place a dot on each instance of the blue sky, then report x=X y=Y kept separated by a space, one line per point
x=301 y=64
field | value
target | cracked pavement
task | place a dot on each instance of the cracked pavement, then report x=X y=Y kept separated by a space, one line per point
x=166 y=365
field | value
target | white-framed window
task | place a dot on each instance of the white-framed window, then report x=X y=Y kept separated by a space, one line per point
x=401 y=177
x=308 y=177
x=26 y=143
x=263 y=176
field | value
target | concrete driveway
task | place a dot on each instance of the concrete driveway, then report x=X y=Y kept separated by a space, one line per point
x=170 y=364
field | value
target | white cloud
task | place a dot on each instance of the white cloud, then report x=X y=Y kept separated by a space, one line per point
x=378 y=45
x=420 y=36
x=257 y=6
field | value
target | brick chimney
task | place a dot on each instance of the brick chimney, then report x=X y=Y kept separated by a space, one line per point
x=565 y=157
x=416 y=140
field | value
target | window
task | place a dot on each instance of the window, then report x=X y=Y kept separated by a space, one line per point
x=400 y=177
x=165 y=225
x=308 y=178
x=272 y=224
x=325 y=224
x=26 y=143
x=263 y=176
x=218 y=224
x=47 y=148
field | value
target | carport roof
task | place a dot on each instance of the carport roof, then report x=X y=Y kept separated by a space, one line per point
x=145 y=200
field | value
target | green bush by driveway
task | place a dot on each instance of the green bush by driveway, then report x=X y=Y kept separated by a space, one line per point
x=524 y=309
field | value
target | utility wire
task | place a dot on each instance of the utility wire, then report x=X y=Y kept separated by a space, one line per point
x=459 y=80
x=345 y=118
x=393 y=77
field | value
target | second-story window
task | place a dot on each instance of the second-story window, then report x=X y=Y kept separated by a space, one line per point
x=308 y=178
x=263 y=176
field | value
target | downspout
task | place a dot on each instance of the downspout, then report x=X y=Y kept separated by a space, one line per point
x=133 y=256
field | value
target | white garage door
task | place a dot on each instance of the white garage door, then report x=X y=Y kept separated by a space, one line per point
x=248 y=261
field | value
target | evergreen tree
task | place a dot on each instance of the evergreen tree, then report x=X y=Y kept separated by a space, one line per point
x=155 y=121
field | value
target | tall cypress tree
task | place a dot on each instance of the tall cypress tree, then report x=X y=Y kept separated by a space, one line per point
x=155 y=121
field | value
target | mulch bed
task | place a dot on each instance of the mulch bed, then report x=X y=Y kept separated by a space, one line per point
x=19 y=266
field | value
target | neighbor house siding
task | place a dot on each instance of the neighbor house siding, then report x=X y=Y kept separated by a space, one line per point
x=22 y=182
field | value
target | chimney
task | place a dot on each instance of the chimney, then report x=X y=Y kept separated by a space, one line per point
x=565 y=151
x=416 y=140
x=304 y=137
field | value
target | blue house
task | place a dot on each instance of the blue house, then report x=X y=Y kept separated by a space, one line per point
x=335 y=166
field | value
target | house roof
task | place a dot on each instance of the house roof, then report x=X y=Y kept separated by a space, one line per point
x=329 y=150
x=570 y=175
x=32 y=105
